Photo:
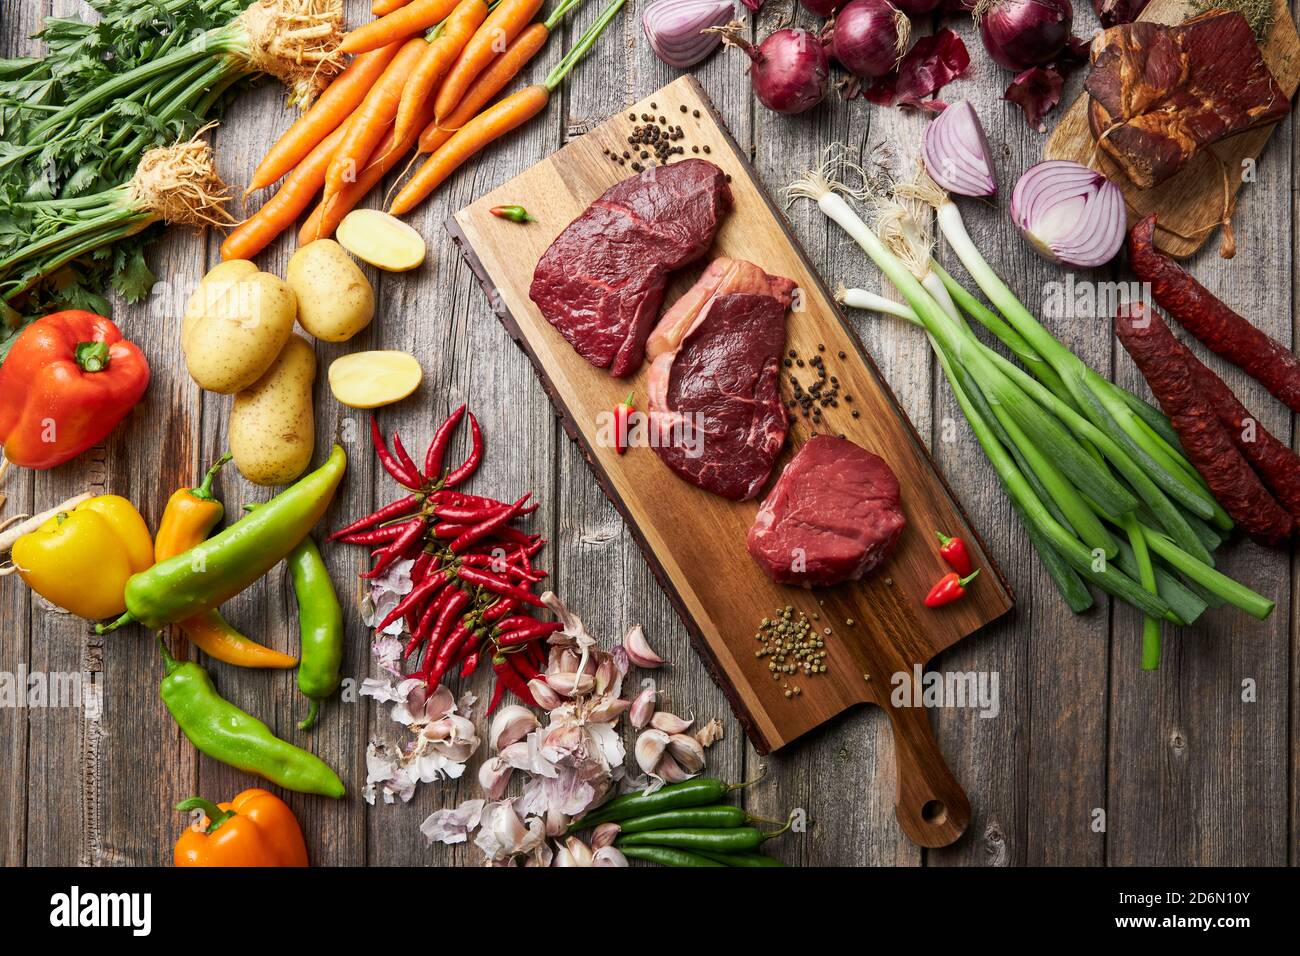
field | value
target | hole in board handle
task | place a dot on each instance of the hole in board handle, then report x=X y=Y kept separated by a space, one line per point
x=934 y=812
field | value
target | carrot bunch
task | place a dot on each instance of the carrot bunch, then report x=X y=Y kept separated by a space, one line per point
x=421 y=79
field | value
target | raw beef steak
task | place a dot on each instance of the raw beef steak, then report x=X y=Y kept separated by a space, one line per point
x=832 y=516
x=715 y=396
x=602 y=280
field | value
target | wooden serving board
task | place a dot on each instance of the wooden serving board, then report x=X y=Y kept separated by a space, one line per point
x=1188 y=204
x=695 y=541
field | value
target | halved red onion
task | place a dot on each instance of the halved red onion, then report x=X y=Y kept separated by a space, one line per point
x=1069 y=213
x=675 y=29
x=956 y=152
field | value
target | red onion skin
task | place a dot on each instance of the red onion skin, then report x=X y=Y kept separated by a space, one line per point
x=822 y=8
x=1019 y=34
x=789 y=72
x=869 y=37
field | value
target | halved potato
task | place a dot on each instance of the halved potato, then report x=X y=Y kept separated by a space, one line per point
x=381 y=240
x=372 y=379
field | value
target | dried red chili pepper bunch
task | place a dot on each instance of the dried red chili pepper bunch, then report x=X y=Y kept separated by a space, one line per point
x=472 y=577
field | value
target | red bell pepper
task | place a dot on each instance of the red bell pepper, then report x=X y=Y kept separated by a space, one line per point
x=69 y=379
x=622 y=417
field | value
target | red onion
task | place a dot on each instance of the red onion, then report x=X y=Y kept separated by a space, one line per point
x=870 y=37
x=956 y=152
x=675 y=29
x=789 y=69
x=1069 y=213
x=1022 y=33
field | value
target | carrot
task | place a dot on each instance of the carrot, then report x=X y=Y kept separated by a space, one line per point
x=406 y=21
x=489 y=83
x=258 y=231
x=496 y=33
x=373 y=117
x=495 y=121
x=334 y=106
x=454 y=32
x=491 y=124
x=381 y=8
x=325 y=218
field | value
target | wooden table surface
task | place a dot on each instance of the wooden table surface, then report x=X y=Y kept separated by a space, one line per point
x=1089 y=760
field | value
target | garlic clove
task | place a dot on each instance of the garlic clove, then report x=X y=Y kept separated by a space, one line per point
x=546 y=698
x=604 y=835
x=556 y=822
x=511 y=724
x=643 y=707
x=606 y=673
x=649 y=748
x=571 y=684
x=710 y=733
x=579 y=851
x=494 y=777
x=607 y=710
x=608 y=856
x=687 y=751
x=671 y=771
x=639 y=651
x=670 y=723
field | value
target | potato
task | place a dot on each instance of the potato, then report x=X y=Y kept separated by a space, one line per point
x=335 y=300
x=381 y=240
x=372 y=379
x=235 y=325
x=272 y=429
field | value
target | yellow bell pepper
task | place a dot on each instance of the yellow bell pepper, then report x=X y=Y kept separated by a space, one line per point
x=80 y=560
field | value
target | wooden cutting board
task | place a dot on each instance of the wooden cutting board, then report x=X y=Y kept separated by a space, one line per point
x=694 y=540
x=1188 y=204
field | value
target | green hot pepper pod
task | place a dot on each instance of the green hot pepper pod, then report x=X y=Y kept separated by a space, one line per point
x=320 y=620
x=224 y=732
x=213 y=572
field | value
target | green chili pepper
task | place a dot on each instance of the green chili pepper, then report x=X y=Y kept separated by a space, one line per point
x=321 y=623
x=665 y=856
x=728 y=840
x=513 y=213
x=741 y=859
x=224 y=732
x=691 y=793
x=722 y=815
x=216 y=570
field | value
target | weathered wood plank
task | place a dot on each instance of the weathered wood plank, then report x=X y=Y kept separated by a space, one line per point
x=1197 y=773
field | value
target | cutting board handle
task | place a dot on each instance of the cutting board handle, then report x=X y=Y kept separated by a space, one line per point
x=930 y=804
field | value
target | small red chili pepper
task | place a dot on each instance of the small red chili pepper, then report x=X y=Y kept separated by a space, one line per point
x=470 y=464
x=498 y=610
x=953 y=551
x=512 y=213
x=438 y=447
x=445 y=496
x=531 y=632
x=427 y=621
x=470 y=665
x=403 y=457
x=949 y=588
x=419 y=594
x=385 y=535
x=497 y=586
x=409 y=538
x=391 y=465
x=622 y=413
x=485 y=528
x=500 y=687
x=400 y=507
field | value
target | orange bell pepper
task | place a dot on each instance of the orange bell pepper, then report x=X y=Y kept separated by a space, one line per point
x=256 y=828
